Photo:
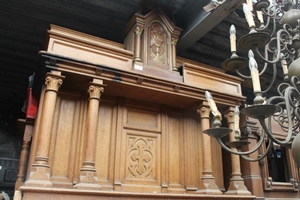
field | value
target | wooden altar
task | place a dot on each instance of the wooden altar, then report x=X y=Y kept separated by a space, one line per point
x=126 y=120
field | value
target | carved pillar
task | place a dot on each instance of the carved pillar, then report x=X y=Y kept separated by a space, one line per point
x=237 y=185
x=88 y=177
x=174 y=42
x=208 y=184
x=40 y=172
x=24 y=155
x=137 y=48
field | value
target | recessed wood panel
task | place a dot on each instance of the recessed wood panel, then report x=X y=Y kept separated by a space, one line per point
x=140 y=161
x=106 y=145
x=63 y=140
x=175 y=153
x=142 y=119
x=88 y=54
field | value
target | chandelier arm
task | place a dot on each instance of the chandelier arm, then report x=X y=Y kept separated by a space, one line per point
x=274 y=26
x=267 y=131
x=277 y=57
x=255 y=148
x=264 y=69
x=272 y=80
x=259 y=156
x=242 y=75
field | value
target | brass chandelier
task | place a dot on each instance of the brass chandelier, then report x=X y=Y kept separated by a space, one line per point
x=280 y=45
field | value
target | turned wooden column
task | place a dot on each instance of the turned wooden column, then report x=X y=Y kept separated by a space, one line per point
x=174 y=42
x=237 y=185
x=137 y=47
x=208 y=184
x=88 y=176
x=24 y=154
x=40 y=172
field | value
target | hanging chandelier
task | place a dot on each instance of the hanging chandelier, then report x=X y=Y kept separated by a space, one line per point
x=274 y=36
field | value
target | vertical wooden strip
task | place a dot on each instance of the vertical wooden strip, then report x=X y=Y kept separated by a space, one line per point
x=217 y=161
x=119 y=122
x=164 y=151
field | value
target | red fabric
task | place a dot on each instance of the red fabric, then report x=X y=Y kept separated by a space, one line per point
x=32 y=105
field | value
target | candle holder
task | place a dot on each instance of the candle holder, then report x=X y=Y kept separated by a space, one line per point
x=235 y=63
x=254 y=40
x=216 y=131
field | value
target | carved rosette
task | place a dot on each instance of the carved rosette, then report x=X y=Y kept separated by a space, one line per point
x=140 y=158
x=95 y=92
x=53 y=83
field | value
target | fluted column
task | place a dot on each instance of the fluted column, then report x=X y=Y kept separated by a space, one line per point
x=88 y=177
x=236 y=185
x=40 y=172
x=137 y=47
x=208 y=184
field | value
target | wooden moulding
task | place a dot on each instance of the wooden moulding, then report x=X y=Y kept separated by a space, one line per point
x=141 y=86
x=88 y=48
x=34 y=193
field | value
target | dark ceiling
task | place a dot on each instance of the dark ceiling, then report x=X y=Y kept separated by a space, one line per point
x=24 y=24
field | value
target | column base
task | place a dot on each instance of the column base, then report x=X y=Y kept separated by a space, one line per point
x=39 y=176
x=18 y=195
x=208 y=186
x=237 y=186
x=88 y=180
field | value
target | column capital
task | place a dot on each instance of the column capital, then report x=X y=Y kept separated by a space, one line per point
x=138 y=30
x=95 y=89
x=174 y=41
x=204 y=110
x=53 y=81
x=229 y=115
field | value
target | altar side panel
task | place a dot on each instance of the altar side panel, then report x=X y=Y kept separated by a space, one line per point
x=192 y=155
x=217 y=166
x=105 y=144
x=63 y=140
x=175 y=153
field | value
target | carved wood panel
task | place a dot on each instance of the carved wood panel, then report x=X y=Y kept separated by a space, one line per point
x=141 y=148
x=158 y=44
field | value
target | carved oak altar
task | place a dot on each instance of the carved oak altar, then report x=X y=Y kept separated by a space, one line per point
x=137 y=132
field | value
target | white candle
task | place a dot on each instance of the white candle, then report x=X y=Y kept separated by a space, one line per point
x=232 y=33
x=248 y=15
x=237 y=120
x=212 y=105
x=260 y=16
x=284 y=64
x=249 y=3
x=254 y=72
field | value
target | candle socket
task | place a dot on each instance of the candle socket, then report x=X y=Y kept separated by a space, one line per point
x=258 y=100
x=216 y=123
x=233 y=54
x=237 y=136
